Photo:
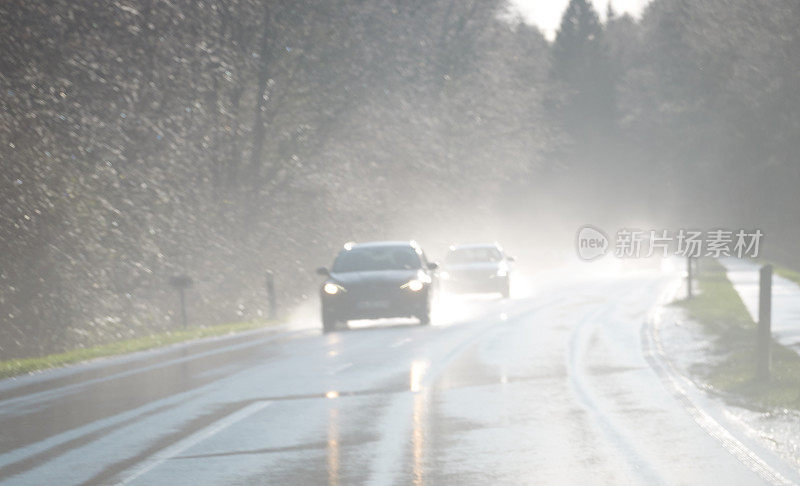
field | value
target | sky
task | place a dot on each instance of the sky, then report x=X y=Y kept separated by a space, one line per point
x=546 y=14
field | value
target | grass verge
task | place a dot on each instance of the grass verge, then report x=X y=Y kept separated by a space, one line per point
x=14 y=367
x=732 y=369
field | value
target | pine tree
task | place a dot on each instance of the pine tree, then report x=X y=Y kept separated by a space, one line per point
x=611 y=12
x=580 y=65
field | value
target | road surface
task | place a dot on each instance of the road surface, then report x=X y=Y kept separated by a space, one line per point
x=555 y=387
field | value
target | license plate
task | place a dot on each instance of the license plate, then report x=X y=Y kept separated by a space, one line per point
x=373 y=304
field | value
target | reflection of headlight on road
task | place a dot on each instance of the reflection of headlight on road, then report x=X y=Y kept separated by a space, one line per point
x=413 y=285
x=331 y=288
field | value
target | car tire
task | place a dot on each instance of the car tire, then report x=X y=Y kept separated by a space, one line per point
x=425 y=316
x=328 y=322
x=505 y=289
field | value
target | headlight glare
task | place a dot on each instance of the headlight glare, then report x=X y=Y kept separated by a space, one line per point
x=413 y=285
x=331 y=288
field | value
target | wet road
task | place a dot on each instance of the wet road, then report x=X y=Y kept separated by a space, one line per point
x=553 y=388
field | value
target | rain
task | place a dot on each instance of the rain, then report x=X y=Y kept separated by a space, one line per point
x=378 y=242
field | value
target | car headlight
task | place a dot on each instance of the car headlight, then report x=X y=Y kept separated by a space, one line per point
x=413 y=285
x=331 y=288
x=501 y=272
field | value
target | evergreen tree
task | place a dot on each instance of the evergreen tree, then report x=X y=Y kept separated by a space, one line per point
x=611 y=13
x=580 y=65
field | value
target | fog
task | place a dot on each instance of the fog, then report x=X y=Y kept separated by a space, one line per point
x=141 y=140
x=227 y=235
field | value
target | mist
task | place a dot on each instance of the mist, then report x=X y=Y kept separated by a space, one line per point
x=216 y=140
x=399 y=242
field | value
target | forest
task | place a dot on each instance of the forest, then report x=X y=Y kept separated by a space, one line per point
x=145 y=139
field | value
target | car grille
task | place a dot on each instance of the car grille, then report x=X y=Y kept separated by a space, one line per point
x=373 y=290
x=472 y=274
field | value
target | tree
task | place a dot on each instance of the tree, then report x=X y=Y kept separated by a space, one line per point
x=581 y=67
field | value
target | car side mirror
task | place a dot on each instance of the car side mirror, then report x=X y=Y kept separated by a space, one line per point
x=433 y=266
x=323 y=271
x=511 y=259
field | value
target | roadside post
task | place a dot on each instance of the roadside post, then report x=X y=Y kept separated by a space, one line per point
x=273 y=305
x=688 y=277
x=182 y=282
x=764 y=323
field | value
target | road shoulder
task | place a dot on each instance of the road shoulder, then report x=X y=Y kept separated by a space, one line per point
x=687 y=356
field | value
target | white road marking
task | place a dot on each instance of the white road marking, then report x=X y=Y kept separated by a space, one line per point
x=182 y=445
x=399 y=343
x=339 y=368
x=397 y=422
x=578 y=348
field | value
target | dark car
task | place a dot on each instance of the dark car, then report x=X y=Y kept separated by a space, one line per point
x=377 y=280
x=481 y=268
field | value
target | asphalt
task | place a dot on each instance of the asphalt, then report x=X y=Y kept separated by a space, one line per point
x=558 y=385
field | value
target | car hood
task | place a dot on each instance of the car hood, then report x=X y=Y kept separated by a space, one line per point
x=374 y=277
x=474 y=267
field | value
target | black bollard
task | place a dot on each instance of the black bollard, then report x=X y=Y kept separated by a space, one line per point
x=764 y=323
x=273 y=306
x=182 y=282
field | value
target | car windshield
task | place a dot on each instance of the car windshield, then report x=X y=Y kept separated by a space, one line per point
x=377 y=258
x=473 y=255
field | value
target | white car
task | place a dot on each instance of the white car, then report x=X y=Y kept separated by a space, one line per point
x=477 y=268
